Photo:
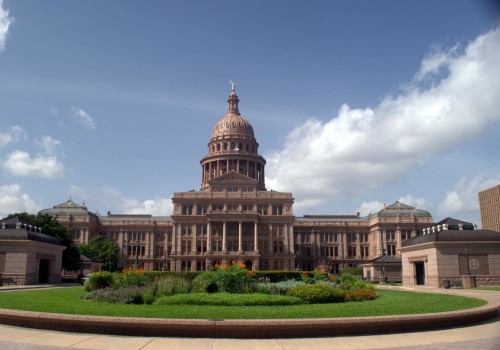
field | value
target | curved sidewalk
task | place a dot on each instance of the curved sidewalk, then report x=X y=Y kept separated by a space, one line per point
x=483 y=335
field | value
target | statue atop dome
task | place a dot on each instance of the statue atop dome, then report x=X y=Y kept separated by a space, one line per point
x=232 y=85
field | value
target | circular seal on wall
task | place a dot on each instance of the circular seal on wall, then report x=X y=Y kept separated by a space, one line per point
x=473 y=264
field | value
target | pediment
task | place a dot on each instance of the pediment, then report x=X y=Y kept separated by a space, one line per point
x=232 y=178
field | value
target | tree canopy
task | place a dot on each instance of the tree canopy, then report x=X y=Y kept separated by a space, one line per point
x=102 y=250
x=50 y=226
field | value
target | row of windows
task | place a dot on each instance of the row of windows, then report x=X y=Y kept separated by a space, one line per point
x=306 y=237
x=233 y=147
x=191 y=209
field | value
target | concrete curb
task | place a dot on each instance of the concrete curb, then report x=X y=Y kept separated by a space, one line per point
x=276 y=328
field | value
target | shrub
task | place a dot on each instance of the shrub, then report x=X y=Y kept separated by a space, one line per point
x=317 y=293
x=205 y=283
x=234 y=278
x=99 y=280
x=173 y=284
x=360 y=295
x=278 y=288
x=133 y=277
x=349 y=282
x=125 y=295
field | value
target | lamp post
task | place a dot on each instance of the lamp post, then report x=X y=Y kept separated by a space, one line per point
x=467 y=258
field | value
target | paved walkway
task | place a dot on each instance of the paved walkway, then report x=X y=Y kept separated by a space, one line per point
x=485 y=335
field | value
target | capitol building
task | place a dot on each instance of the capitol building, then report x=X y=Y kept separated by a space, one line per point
x=234 y=218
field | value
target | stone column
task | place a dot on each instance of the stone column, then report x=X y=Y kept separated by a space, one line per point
x=209 y=237
x=398 y=241
x=291 y=239
x=285 y=239
x=224 y=248
x=255 y=238
x=193 y=248
x=179 y=239
x=358 y=246
x=174 y=240
x=240 y=238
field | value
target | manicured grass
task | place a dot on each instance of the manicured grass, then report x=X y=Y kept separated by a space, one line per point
x=67 y=300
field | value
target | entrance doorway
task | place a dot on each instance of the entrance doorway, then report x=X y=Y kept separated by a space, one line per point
x=248 y=264
x=420 y=273
x=43 y=271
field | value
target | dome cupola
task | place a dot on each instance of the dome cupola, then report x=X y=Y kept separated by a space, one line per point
x=233 y=147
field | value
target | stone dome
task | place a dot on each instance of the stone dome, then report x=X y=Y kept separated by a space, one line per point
x=233 y=124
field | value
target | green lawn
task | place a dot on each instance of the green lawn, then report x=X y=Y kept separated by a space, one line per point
x=67 y=300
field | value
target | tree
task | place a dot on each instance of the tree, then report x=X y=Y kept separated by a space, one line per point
x=102 y=250
x=50 y=226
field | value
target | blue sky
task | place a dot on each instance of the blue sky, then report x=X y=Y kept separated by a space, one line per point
x=354 y=103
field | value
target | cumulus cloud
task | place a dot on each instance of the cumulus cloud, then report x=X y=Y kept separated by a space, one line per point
x=462 y=201
x=156 y=207
x=453 y=97
x=83 y=118
x=5 y=23
x=20 y=163
x=49 y=145
x=371 y=207
x=13 y=200
x=13 y=134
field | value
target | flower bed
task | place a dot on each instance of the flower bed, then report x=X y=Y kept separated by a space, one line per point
x=232 y=283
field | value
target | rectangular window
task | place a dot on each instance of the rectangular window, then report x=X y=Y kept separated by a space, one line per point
x=201 y=210
x=262 y=209
x=277 y=210
x=187 y=209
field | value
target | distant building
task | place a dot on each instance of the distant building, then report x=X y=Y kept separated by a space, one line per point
x=233 y=217
x=489 y=206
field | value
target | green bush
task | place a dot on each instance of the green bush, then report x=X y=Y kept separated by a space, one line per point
x=348 y=282
x=234 y=278
x=205 y=283
x=318 y=293
x=228 y=299
x=278 y=288
x=173 y=284
x=99 y=280
x=125 y=295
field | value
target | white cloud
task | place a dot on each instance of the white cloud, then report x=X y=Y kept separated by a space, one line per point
x=13 y=134
x=370 y=207
x=20 y=163
x=83 y=118
x=417 y=202
x=364 y=149
x=13 y=200
x=49 y=145
x=73 y=189
x=156 y=207
x=5 y=23
x=462 y=201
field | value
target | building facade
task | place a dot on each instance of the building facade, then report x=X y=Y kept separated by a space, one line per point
x=452 y=251
x=489 y=206
x=234 y=218
x=27 y=255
